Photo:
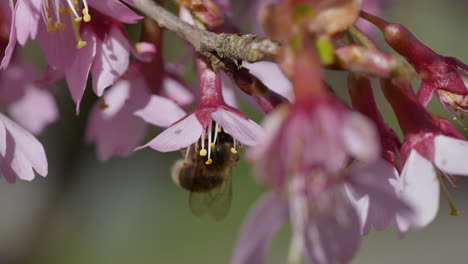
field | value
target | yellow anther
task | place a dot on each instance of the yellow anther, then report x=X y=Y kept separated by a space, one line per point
x=241 y=148
x=86 y=16
x=454 y=212
x=203 y=152
x=233 y=151
x=454 y=187
x=209 y=161
x=80 y=44
x=465 y=128
x=454 y=118
x=213 y=144
x=219 y=130
x=206 y=136
x=78 y=19
x=185 y=163
x=455 y=179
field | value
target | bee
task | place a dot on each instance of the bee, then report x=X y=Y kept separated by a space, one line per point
x=208 y=178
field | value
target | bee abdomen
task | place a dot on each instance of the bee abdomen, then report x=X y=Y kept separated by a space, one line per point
x=192 y=181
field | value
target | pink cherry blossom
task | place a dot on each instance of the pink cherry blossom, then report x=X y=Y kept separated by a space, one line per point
x=76 y=42
x=20 y=152
x=23 y=101
x=119 y=122
x=428 y=153
x=212 y=107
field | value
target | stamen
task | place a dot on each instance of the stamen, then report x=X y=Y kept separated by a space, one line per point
x=186 y=156
x=217 y=130
x=86 y=16
x=209 y=161
x=453 y=210
x=203 y=151
x=233 y=149
x=76 y=30
x=209 y=144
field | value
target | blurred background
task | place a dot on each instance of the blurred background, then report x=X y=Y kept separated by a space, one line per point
x=128 y=210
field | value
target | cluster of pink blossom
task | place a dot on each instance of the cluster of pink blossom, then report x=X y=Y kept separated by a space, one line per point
x=334 y=170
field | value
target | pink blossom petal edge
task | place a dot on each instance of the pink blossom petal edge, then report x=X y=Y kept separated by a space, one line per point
x=180 y=135
x=27 y=16
x=25 y=111
x=177 y=91
x=271 y=75
x=22 y=152
x=420 y=188
x=77 y=74
x=160 y=111
x=268 y=215
x=111 y=60
x=12 y=39
x=361 y=137
x=245 y=131
x=116 y=10
x=450 y=155
x=271 y=125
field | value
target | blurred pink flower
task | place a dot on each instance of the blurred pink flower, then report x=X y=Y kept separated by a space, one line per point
x=22 y=97
x=304 y=158
x=77 y=41
x=432 y=150
x=326 y=227
x=119 y=121
x=372 y=209
x=212 y=107
x=20 y=152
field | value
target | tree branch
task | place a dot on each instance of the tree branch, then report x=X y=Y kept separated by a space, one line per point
x=233 y=46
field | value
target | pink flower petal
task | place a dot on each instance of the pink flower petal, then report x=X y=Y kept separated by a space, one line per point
x=268 y=215
x=373 y=183
x=12 y=39
x=272 y=76
x=160 y=111
x=245 y=131
x=332 y=235
x=229 y=88
x=116 y=10
x=420 y=188
x=25 y=111
x=178 y=136
x=450 y=155
x=111 y=60
x=177 y=91
x=271 y=125
x=361 y=137
x=76 y=74
x=60 y=47
x=114 y=129
x=27 y=15
x=23 y=153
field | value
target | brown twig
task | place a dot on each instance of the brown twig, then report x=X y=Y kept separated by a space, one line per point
x=233 y=46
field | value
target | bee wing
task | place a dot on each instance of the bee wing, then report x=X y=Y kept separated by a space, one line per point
x=217 y=202
x=199 y=203
x=222 y=201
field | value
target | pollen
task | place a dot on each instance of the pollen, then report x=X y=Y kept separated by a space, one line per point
x=86 y=16
x=455 y=212
x=213 y=144
x=80 y=44
x=220 y=129
x=209 y=161
x=234 y=151
x=203 y=152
